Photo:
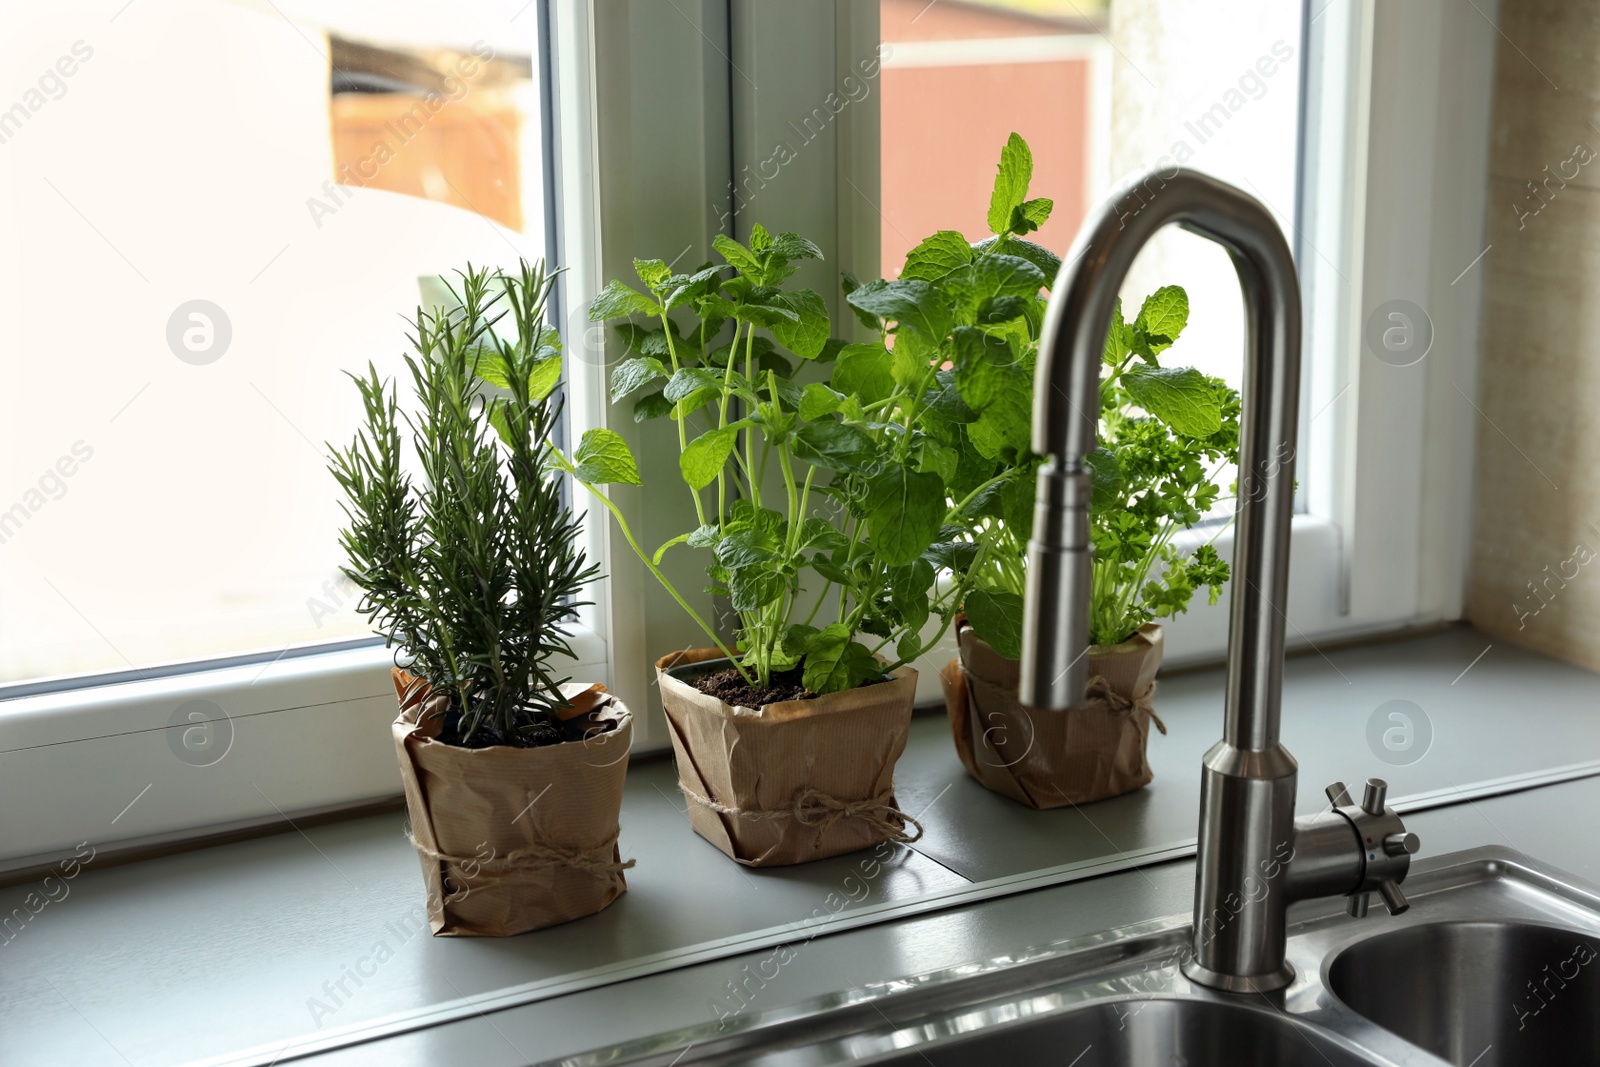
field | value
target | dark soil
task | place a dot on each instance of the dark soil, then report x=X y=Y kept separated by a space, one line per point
x=537 y=733
x=730 y=687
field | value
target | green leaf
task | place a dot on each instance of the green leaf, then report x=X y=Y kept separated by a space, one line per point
x=909 y=647
x=937 y=256
x=806 y=336
x=752 y=588
x=1010 y=183
x=904 y=511
x=490 y=366
x=1180 y=397
x=1163 y=316
x=834 y=445
x=994 y=276
x=908 y=593
x=821 y=534
x=543 y=377
x=618 y=301
x=690 y=380
x=849 y=283
x=603 y=457
x=692 y=403
x=738 y=256
x=910 y=359
x=1105 y=479
x=651 y=271
x=1005 y=429
x=984 y=365
x=793 y=246
x=497 y=419
x=705 y=456
x=834 y=662
x=630 y=374
x=748 y=548
x=651 y=406
x=1117 y=337
x=1031 y=214
x=1017 y=499
x=704 y=537
x=817 y=400
x=865 y=372
x=997 y=616
x=936 y=458
x=1048 y=262
x=912 y=303
x=997 y=309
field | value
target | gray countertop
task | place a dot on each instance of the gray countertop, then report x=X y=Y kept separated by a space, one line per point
x=235 y=953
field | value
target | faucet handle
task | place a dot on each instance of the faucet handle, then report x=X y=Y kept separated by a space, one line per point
x=1339 y=795
x=1375 y=797
x=1393 y=899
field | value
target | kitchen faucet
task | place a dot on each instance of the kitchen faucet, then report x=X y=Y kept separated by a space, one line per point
x=1254 y=857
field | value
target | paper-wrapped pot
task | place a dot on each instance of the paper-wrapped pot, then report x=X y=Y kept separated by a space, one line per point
x=514 y=839
x=792 y=781
x=1049 y=759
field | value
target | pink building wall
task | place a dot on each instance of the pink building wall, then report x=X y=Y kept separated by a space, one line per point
x=943 y=126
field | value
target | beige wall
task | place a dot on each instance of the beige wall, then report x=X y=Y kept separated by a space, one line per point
x=1535 y=578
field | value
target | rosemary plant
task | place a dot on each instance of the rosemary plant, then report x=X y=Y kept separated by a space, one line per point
x=472 y=571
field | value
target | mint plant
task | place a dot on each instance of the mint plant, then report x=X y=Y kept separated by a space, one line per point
x=1166 y=433
x=473 y=570
x=821 y=506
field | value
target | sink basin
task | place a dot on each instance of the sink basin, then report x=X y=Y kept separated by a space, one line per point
x=1496 y=963
x=1162 y=1032
x=1480 y=994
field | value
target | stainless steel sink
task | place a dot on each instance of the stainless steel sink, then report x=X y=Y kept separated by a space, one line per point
x=1495 y=963
x=1144 y=1033
x=1479 y=994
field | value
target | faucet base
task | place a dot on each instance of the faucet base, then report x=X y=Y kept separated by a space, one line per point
x=1235 y=983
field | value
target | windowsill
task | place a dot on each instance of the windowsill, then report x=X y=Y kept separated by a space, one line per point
x=239 y=940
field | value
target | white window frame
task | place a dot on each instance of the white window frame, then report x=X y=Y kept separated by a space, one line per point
x=1392 y=91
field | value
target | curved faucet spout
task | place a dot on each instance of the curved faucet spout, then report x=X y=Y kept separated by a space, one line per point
x=1065 y=422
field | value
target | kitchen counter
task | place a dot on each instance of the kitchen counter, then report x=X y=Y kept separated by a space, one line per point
x=302 y=943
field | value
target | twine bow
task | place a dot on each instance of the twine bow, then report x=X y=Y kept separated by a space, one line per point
x=1099 y=689
x=597 y=861
x=813 y=807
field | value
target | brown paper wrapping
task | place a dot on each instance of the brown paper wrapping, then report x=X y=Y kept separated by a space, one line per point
x=1049 y=759
x=793 y=781
x=514 y=839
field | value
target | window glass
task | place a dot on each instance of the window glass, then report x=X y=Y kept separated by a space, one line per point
x=213 y=210
x=1101 y=91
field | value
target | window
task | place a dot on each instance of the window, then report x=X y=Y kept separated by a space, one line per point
x=166 y=519
x=215 y=210
x=229 y=206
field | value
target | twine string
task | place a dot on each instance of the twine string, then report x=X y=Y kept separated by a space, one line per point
x=1100 y=689
x=813 y=807
x=597 y=861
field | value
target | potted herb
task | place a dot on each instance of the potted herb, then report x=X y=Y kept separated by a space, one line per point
x=1166 y=434
x=823 y=519
x=513 y=776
